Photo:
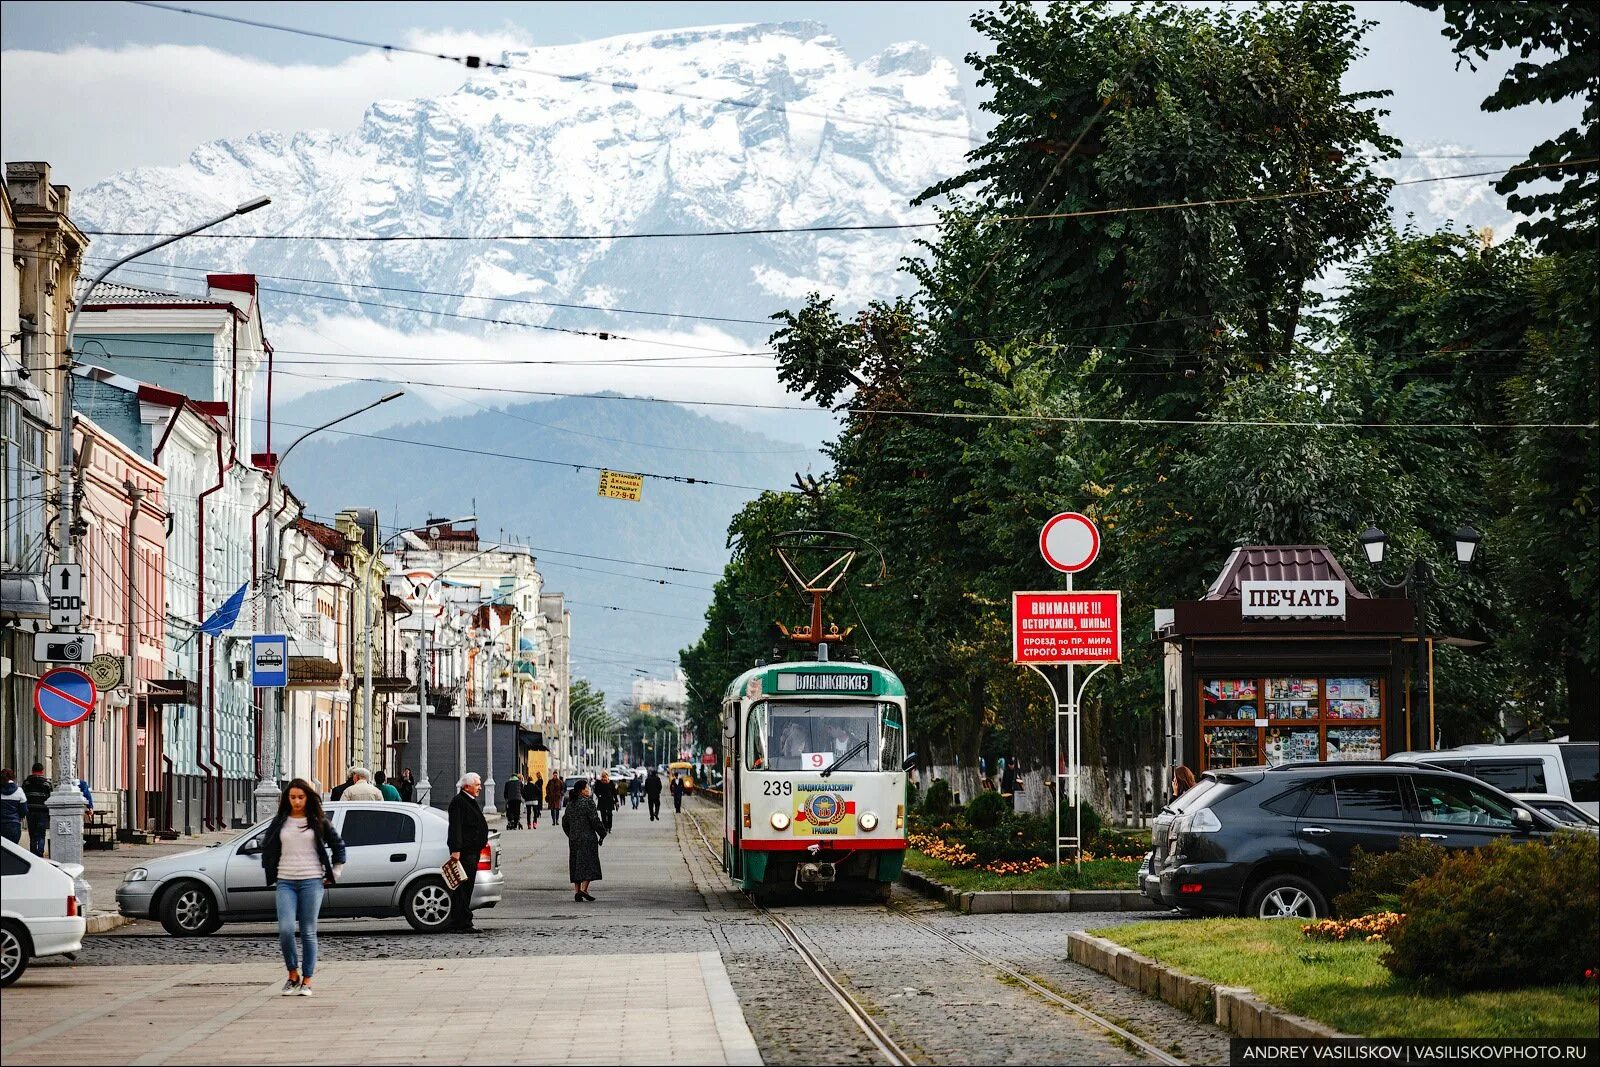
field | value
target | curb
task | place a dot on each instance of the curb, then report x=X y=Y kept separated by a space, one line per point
x=103 y=922
x=1032 y=901
x=1239 y=1011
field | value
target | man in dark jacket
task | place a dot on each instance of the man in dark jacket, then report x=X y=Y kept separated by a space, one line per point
x=514 y=803
x=652 y=793
x=407 y=786
x=605 y=798
x=677 y=793
x=467 y=836
x=338 y=790
x=36 y=787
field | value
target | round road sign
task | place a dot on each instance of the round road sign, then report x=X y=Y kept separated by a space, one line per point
x=1069 y=542
x=64 y=696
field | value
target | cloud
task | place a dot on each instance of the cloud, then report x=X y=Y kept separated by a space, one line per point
x=152 y=105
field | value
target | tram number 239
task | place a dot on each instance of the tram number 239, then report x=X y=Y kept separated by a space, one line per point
x=777 y=789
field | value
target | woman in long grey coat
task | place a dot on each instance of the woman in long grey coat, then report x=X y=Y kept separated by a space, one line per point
x=585 y=831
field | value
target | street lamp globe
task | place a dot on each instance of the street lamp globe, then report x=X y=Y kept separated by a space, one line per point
x=1467 y=539
x=1373 y=542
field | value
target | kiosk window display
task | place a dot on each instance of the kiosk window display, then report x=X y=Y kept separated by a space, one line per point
x=1273 y=720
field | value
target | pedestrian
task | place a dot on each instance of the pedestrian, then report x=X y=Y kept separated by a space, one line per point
x=303 y=854
x=36 y=787
x=533 y=801
x=1182 y=781
x=513 y=798
x=338 y=790
x=585 y=831
x=13 y=807
x=624 y=787
x=361 y=787
x=605 y=798
x=407 y=786
x=466 y=838
x=636 y=792
x=552 y=797
x=652 y=792
x=677 y=793
x=386 y=787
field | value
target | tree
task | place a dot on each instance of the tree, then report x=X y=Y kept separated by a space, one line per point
x=1565 y=38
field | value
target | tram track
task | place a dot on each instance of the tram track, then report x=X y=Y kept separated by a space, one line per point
x=875 y=1032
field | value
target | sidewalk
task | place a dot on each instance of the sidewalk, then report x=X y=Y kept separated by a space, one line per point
x=642 y=1008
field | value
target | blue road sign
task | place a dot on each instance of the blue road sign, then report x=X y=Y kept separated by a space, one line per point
x=269 y=661
x=64 y=696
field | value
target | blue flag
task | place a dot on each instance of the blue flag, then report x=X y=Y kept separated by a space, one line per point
x=226 y=615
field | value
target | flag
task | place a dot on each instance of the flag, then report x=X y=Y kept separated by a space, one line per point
x=226 y=615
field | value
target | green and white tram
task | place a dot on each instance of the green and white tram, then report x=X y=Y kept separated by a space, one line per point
x=814 y=767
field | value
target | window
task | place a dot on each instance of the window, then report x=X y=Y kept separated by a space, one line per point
x=892 y=743
x=1374 y=797
x=1583 y=771
x=1290 y=719
x=378 y=828
x=1288 y=803
x=755 y=756
x=815 y=737
x=12 y=864
x=1450 y=802
x=1511 y=776
x=1321 y=805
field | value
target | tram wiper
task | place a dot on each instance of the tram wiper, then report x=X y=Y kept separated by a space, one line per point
x=857 y=747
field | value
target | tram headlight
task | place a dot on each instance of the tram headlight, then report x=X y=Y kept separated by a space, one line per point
x=869 y=822
x=779 y=821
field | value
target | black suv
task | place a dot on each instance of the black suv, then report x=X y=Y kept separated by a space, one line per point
x=1275 y=842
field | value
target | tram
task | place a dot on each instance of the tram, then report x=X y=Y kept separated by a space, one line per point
x=814 y=767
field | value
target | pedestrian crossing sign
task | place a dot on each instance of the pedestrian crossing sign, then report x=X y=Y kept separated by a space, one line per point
x=620 y=485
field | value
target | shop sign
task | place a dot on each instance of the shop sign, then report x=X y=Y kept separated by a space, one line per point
x=1066 y=627
x=1292 y=600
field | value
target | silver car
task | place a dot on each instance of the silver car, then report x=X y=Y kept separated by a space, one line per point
x=393 y=853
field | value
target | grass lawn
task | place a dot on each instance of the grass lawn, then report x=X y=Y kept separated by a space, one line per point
x=1343 y=985
x=1097 y=874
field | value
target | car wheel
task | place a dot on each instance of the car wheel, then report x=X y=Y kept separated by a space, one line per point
x=1285 y=896
x=14 y=952
x=429 y=907
x=188 y=910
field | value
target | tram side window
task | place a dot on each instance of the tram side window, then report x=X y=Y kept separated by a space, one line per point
x=892 y=745
x=756 y=730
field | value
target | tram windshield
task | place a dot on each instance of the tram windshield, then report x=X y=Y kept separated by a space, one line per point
x=812 y=737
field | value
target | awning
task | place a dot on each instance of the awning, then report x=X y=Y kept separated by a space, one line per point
x=532 y=740
x=22 y=597
x=392 y=683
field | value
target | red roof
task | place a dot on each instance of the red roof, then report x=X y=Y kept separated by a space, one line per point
x=326 y=536
x=1279 y=563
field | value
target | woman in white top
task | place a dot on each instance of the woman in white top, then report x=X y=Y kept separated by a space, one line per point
x=303 y=854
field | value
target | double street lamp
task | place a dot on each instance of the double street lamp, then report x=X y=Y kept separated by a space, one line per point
x=267 y=755
x=1419 y=578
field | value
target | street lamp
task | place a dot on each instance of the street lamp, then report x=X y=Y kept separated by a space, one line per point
x=267 y=755
x=1416 y=583
x=66 y=804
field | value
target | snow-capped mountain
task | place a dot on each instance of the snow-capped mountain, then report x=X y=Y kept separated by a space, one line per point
x=535 y=150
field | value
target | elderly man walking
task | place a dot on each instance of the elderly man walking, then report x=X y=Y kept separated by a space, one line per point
x=466 y=838
x=361 y=787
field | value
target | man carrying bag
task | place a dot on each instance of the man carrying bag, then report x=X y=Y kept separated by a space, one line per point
x=467 y=837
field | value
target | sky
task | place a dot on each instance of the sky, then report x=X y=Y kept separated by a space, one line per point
x=208 y=80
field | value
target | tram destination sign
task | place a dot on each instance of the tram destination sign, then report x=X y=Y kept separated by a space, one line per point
x=1066 y=627
x=821 y=682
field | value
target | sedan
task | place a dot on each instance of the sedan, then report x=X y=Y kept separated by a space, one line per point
x=394 y=853
x=39 y=912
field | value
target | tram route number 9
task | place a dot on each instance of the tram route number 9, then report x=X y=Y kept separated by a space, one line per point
x=777 y=789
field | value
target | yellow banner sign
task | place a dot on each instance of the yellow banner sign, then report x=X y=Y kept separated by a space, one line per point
x=621 y=486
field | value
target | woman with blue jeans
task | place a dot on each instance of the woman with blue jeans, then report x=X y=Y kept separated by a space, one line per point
x=302 y=853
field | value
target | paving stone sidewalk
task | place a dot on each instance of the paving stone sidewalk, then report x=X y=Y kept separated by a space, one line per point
x=641 y=1008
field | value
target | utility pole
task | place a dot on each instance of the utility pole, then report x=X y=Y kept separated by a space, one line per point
x=131 y=820
x=366 y=656
x=424 y=788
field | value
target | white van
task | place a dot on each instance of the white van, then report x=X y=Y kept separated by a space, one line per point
x=1568 y=769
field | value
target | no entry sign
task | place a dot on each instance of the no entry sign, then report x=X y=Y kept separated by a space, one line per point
x=1069 y=542
x=1061 y=628
x=64 y=697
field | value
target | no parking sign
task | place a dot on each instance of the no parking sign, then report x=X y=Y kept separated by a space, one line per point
x=64 y=697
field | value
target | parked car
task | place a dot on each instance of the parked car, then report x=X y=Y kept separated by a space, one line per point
x=394 y=852
x=1560 y=810
x=39 y=913
x=1567 y=769
x=1276 y=842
